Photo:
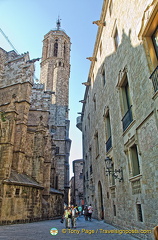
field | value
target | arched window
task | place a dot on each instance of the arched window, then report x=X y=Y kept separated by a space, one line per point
x=56 y=48
x=64 y=50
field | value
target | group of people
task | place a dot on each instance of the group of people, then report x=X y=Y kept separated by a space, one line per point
x=88 y=212
x=72 y=213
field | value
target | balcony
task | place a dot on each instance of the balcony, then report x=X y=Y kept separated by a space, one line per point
x=154 y=78
x=127 y=119
x=79 y=123
x=108 y=144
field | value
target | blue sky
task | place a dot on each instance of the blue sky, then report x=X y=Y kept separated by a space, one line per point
x=25 y=22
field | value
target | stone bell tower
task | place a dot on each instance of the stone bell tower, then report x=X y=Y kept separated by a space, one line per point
x=55 y=73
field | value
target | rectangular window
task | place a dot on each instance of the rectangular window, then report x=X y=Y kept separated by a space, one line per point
x=96 y=144
x=81 y=176
x=94 y=100
x=91 y=170
x=134 y=160
x=127 y=107
x=139 y=213
x=103 y=77
x=57 y=150
x=114 y=208
x=154 y=38
x=17 y=192
x=108 y=132
x=56 y=182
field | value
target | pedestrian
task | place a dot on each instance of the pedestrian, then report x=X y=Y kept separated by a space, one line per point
x=67 y=216
x=90 y=210
x=86 y=213
x=80 y=210
x=156 y=232
x=74 y=216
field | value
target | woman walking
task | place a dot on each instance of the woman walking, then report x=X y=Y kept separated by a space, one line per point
x=67 y=216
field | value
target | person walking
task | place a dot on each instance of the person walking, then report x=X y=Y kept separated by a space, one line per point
x=67 y=216
x=86 y=213
x=74 y=216
x=80 y=210
x=90 y=210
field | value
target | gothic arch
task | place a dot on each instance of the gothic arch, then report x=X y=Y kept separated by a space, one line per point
x=65 y=46
x=56 y=48
x=100 y=202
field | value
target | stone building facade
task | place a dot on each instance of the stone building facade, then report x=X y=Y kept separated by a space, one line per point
x=119 y=119
x=77 y=185
x=34 y=133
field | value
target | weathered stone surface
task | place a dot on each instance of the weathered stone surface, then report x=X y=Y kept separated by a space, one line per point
x=120 y=202
x=33 y=125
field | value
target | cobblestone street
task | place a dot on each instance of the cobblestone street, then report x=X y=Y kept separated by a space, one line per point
x=41 y=231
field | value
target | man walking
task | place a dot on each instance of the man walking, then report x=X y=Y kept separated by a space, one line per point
x=74 y=213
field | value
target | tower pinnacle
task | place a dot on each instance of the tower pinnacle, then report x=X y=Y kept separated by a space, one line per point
x=58 y=23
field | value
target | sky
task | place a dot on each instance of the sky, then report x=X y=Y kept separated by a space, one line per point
x=25 y=22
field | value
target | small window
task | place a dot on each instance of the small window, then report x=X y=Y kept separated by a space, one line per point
x=114 y=209
x=94 y=100
x=56 y=182
x=108 y=132
x=134 y=160
x=139 y=213
x=56 y=48
x=127 y=106
x=81 y=176
x=103 y=77
x=96 y=145
x=64 y=50
x=57 y=150
x=91 y=169
x=154 y=38
x=17 y=191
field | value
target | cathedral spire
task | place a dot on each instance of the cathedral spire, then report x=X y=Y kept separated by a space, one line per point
x=58 y=23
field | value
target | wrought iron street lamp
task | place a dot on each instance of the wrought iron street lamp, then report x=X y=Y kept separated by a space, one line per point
x=117 y=173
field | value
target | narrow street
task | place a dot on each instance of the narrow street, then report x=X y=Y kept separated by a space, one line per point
x=41 y=231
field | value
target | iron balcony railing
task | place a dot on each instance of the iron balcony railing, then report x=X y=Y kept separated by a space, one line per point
x=109 y=144
x=154 y=78
x=127 y=119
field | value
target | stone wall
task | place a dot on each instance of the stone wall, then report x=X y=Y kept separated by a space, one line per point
x=130 y=203
x=27 y=165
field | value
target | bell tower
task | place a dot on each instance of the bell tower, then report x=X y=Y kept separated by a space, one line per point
x=55 y=64
x=55 y=73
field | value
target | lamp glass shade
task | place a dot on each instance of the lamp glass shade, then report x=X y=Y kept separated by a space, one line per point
x=108 y=162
